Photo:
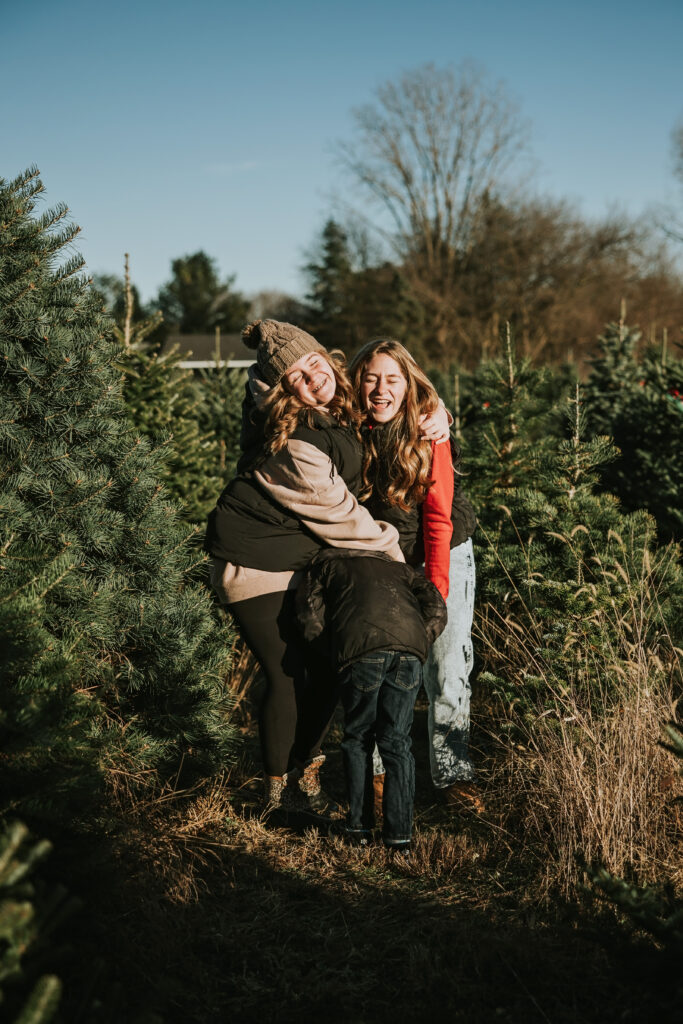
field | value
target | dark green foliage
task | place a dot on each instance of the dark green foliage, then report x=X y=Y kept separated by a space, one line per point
x=195 y=300
x=163 y=402
x=26 y=922
x=352 y=300
x=386 y=308
x=638 y=402
x=506 y=419
x=652 y=908
x=484 y=399
x=557 y=543
x=219 y=415
x=120 y=298
x=330 y=274
x=124 y=661
x=42 y=703
x=556 y=556
x=165 y=405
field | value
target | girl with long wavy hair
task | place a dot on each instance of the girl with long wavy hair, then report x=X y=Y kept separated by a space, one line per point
x=294 y=493
x=414 y=484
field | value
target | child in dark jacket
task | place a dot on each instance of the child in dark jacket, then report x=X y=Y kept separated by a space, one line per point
x=375 y=619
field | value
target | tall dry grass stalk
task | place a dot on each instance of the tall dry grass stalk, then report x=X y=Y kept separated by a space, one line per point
x=244 y=669
x=583 y=776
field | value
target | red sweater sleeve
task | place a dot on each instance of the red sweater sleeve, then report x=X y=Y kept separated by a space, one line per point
x=437 y=527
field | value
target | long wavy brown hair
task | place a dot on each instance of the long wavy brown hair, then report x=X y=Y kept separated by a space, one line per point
x=285 y=411
x=396 y=463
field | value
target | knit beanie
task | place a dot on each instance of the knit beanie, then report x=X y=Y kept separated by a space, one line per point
x=278 y=346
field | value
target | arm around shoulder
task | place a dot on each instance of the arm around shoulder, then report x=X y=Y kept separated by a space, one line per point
x=304 y=480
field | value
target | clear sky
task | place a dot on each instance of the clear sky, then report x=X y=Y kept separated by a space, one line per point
x=169 y=127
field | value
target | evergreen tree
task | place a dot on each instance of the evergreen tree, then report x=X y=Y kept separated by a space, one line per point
x=123 y=681
x=30 y=996
x=573 y=569
x=29 y=655
x=386 y=307
x=220 y=416
x=337 y=313
x=507 y=424
x=329 y=274
x=639 y=404
x=353 y=299
x=196 y=301
x=120 y=298
x=163 y=404
x=556 y=556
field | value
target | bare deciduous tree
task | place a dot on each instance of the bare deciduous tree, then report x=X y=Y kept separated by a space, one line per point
x=429 y=151
x=675 y=225
x=677 y=143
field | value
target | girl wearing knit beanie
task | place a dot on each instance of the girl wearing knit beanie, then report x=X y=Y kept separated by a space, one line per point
x=294 y=493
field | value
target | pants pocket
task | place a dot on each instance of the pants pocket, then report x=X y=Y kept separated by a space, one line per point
x=408 y=674
x=367 y=673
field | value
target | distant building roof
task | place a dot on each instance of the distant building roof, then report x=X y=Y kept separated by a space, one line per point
x=199 y=350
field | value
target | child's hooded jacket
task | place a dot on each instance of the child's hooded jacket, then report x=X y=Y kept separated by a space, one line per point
x=353 y=602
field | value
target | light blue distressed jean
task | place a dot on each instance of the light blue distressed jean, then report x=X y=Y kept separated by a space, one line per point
x=447 y=679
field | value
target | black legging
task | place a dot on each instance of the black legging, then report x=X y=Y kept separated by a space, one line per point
x=301 y=689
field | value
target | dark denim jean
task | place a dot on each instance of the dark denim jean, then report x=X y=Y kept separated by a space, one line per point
x=378 y=693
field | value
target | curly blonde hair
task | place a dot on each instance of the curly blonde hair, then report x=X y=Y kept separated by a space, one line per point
x=285 y=411
x=396 y=463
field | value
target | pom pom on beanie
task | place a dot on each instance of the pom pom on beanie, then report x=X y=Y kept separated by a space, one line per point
x=251 y=336
x=278 y=346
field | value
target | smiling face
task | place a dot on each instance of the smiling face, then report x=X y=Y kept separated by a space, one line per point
x=382 y=387
x=311 y=379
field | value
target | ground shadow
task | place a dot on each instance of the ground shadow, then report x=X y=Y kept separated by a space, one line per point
x=357 y=941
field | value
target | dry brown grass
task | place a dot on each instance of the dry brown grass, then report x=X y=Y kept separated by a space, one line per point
x=244 y=670
x=593 y=783
x=579 y=773
x=210 y=913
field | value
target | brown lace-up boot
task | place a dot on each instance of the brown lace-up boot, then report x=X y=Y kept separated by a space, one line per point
x=463 y=796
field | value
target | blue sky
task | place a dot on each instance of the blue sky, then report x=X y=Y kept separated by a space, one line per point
x=171 y=127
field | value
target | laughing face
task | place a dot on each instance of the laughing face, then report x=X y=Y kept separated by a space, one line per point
x=312 y=380
x=382 y=388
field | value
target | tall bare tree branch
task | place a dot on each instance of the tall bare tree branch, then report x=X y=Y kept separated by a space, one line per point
x=428 y=152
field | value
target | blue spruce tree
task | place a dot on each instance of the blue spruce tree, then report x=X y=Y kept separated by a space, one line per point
x=120 y=684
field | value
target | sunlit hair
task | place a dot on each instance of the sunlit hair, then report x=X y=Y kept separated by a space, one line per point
x=396 y=463
x=286 y=411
